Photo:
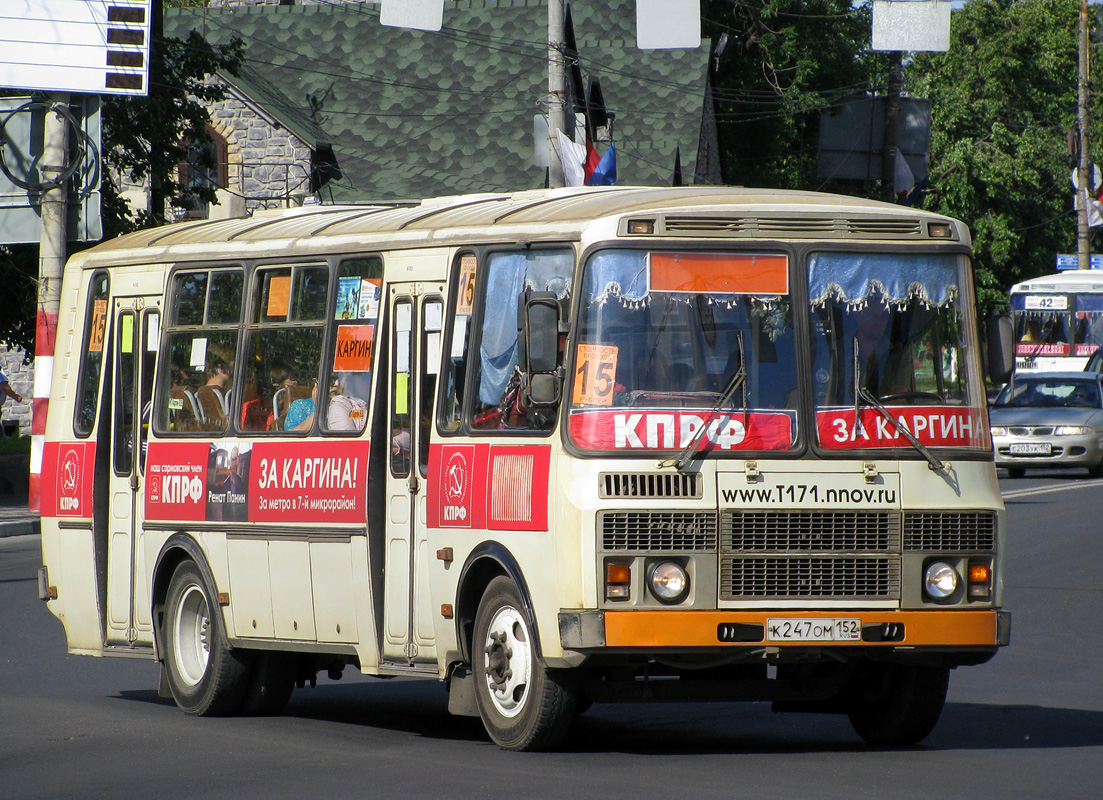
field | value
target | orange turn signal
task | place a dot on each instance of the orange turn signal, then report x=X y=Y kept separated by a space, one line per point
x=618 y=573
x=979 y=573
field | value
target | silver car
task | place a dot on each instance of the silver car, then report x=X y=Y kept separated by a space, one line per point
x=1049 y=419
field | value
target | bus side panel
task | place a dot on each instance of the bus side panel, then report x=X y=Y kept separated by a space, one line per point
x=74 y=575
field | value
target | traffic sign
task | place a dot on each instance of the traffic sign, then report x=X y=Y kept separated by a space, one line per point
x=1073 y=261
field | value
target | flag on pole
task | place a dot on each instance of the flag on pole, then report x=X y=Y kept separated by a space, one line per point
x=605 y=173
x=572 y=155
x=591 y=160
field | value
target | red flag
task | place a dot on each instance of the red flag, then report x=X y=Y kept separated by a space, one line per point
x=591 y=162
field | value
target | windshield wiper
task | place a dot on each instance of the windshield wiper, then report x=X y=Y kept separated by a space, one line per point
x=738 y=378
x=863 y=395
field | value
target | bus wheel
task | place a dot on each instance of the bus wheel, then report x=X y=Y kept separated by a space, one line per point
x=206 y=676
x=897 y=704
x=523 y=705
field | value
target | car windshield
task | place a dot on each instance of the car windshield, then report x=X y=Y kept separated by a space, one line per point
x=1043 y=391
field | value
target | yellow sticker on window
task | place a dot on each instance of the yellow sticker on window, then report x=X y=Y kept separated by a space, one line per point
x=279 y=296
x=595 y=374
x=99 y=326
x=465 y=290
x=126 y=333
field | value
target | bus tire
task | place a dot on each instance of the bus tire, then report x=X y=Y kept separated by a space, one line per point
x=897 y=704
x=206 y=677
x=523 y=704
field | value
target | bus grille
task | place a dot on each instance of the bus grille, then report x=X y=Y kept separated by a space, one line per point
x=791 y=226
x=648 y=484
x=818 y=531
x=657 y=531
x=838 y=555
x=952 y=531
x=787 y=577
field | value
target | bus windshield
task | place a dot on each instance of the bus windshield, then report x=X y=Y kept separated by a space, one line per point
x=893 y=325
x=663 y=334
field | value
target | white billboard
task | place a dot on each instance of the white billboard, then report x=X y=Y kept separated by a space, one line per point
x=88 y=46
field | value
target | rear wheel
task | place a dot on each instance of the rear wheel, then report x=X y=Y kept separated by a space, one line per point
x=897 y=704
x=206 y=676
x=523 y=704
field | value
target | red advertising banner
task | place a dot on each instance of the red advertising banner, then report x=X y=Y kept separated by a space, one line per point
x=1085 y=349
x=485 y=486
x=240 y=481
x=1041 y=349
x=654 y=429
x=935 y=426
x=67 y=479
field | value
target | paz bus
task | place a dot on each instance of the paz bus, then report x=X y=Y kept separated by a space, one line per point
x=548 y=448
x=1058 y=320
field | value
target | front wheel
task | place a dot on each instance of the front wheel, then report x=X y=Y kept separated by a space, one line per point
x=897 y=704
x=206 y=676
x=523 y=704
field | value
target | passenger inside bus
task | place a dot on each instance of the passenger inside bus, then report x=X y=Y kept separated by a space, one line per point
x=300 y=414
x=213 y=395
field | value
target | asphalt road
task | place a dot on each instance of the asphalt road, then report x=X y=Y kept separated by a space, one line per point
x=1027 y=725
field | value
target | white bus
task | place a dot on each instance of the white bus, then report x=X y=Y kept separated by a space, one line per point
x=1058 y=320
x=548 y=448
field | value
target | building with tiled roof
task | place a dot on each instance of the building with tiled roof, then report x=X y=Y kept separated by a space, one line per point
x=334 y=106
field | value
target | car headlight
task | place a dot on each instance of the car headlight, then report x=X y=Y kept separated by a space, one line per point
x=940 y=580
x=668 y=581
x=1071 y=430
x=999 y=431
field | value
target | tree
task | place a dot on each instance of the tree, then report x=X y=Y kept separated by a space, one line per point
x=144 y=139
x=1003 y=100
x=785 y=62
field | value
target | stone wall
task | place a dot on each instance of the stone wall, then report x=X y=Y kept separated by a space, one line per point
x=267 y=163
x=21 y=377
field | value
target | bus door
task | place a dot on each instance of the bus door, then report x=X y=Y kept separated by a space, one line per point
x=128 y=394
x=415 y=321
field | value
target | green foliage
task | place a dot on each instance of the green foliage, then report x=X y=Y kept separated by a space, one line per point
x=148 y=137
x=18 y=273
x=786 y=61
x=1003 y=99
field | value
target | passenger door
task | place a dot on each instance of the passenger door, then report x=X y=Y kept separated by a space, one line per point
x=128 y=395
x=415 y=321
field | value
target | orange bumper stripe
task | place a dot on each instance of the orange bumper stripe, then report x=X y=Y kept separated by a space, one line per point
x=699 y=628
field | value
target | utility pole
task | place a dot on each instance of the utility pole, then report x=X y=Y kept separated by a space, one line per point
x=557 y=90
x=892 y=127
x=1084 y=191
x=51 y=262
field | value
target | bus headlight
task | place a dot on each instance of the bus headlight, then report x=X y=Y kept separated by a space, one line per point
x=940 y=580
x=668 y=581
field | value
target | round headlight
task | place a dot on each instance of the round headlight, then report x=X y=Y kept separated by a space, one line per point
x=940 y=581
x=668 y=581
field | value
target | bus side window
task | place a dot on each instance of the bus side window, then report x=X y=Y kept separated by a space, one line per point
x=355 y=314
x=200 y=333
x=95 y=332
x=496 y=377
x=284 y=349
x=454 y=372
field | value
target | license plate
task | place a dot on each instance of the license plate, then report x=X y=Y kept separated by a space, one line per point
x=797 y=629
x=1030 y=449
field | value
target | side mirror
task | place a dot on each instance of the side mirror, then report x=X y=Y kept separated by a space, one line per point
x=540 y=353
x=1001 y=348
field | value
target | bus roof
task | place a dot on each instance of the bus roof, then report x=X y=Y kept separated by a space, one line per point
x=1075 y=280
x=546 y=214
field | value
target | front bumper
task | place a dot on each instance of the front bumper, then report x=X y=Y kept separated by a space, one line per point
x=688 y=630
